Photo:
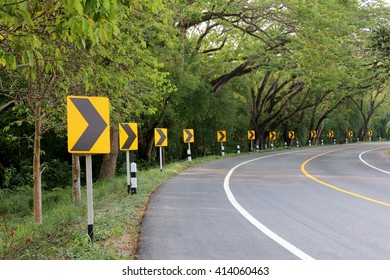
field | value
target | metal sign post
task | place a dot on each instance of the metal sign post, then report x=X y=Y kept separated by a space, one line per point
x=88 y=162
x=88 y=133
x=128 y=171
x=161 y=159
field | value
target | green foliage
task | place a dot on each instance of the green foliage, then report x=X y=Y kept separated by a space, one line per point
x=16 y=202
x=56 y=174
x=12 y=178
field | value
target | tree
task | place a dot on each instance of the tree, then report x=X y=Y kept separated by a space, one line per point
x=374 y=100
x=36 y=39
x=272 y=97
x=131 y=71
x=373 y=81
x=226 y=33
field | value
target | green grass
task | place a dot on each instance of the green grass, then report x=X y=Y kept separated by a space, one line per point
x=63 y=234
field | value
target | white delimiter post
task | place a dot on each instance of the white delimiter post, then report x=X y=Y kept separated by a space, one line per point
x=134 y=178
x=189 y=152
x=88 y=162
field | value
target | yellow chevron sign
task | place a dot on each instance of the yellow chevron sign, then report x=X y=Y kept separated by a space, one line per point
x=128 y=136
x=88 y=124
x=221 y=135
x=188 y=136
x=251 y=135
x=161 y=137
x=272 y=135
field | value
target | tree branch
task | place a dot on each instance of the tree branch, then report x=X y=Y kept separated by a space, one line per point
x=2 y=107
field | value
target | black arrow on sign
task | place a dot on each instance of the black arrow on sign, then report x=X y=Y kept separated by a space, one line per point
x=222 y=136
x=131 y=136
x=96 y=124
x=162 y=137
x=252 y=135
x=189 y=135
x=291 y=134
x=273 y=135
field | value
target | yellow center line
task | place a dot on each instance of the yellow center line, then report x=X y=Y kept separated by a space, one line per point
x=307 y=174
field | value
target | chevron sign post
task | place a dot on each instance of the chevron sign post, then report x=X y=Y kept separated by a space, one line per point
x=188 y=137
x=251 y=137
x=88 y=133
x=221 y=137
x=161 y=140
x=128 y=141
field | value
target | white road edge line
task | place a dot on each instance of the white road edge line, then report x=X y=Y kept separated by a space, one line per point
x=366 y=163
x=297 y=252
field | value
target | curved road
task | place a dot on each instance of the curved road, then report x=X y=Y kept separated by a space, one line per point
x=330 y=202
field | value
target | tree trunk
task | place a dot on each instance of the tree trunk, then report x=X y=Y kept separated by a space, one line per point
x=76 y=185
x=363 y=133
x=311 y=125
x=108 y=168
x=149 y=149
x=37 y=167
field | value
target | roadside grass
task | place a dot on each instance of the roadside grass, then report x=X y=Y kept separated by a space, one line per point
x=63 y=234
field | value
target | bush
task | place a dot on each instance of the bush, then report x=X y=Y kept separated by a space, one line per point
x=18 y=201
x=56 y=174
x=13 y=179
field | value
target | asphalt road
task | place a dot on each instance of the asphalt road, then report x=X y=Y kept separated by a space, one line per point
x=330 y=202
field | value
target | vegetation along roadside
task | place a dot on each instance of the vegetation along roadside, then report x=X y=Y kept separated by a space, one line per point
x=63 y=236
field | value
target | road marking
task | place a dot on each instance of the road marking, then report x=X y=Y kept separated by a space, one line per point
x=334 y=187
x=297 y=252
x=362 y=160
